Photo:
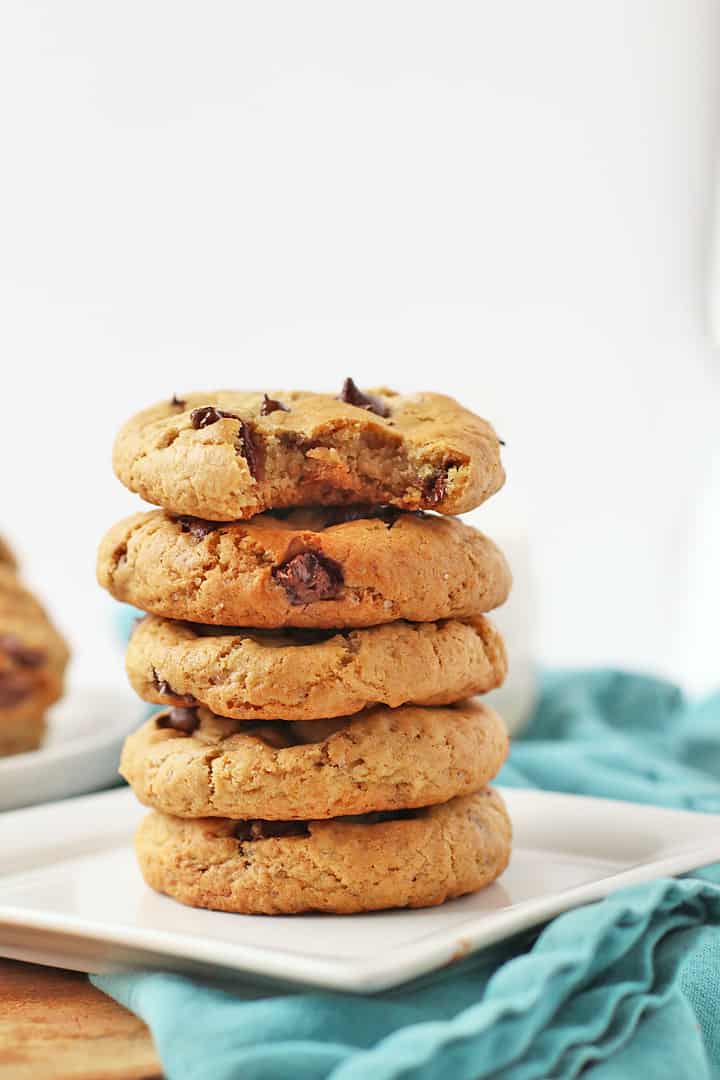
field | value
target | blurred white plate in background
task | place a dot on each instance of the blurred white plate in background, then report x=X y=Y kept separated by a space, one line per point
x=81 y=752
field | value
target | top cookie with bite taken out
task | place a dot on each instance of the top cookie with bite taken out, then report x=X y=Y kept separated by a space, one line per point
x=227 y=455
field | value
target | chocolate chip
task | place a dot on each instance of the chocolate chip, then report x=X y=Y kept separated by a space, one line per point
x=196 y=526
x=209 y=414
x=353 y=396
x=163 y=687
x=271 y=405
x=308 y=635
x=248 y=449
x=502 y=442
x=266 y=830
x=308 y=577
x=23 y=655
x=435 y=486
x=177 y=403
x=180 y=719
x=340 y=515
x=376 y=817
x=15 y=686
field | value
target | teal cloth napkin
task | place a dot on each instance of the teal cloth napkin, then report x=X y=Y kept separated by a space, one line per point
x=621 y=988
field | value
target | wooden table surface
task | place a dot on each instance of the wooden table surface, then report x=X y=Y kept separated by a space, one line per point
x=55 y=1026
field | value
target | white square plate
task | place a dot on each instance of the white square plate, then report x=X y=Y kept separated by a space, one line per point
x=72 y=896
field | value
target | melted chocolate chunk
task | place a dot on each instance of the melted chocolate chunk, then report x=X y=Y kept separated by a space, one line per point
x=177 y=403
x=308 y=635
x=376 y=817
x=435 y=486
x=23 y=655
x=308 y=577
x=266 y=830
x=353 y=396
x=340 y=515
x=196 y=526
x=248 y=449
x=15 y=686
x=209 y=414
x=279 y=734
x=163 y=687
x=180 y=719
x=271 y=405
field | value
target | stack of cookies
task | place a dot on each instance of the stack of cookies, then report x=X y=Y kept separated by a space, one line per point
x=33 y=658
x=316 y=636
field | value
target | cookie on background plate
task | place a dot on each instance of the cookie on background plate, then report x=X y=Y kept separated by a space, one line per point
x=229 y=454
x=190 y=763
x=7 y=555
x=413 y=859
x=309 y=567
x=33 y=657
x=296 y=674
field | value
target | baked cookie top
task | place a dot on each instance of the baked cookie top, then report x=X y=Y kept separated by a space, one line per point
x=345 y=865
x=33 y=654
x=228 y=454
x=313 y=674
x=190 y=763
x=310 y=567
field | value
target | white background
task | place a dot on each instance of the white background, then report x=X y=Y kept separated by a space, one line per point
x=510 y=202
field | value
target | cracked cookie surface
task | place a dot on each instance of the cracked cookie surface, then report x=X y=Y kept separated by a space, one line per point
x=313 y=674
x=33 y=657
x=190 y=763
x=227 y=454
x=336 y=866
x=308 y=568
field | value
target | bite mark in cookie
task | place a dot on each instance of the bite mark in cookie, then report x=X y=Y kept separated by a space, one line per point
x=209 y=414
x=303 y=449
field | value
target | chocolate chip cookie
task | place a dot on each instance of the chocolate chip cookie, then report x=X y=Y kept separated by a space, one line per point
x=309 y=567
x=226 y=454
x=190 y=763
x=33 y=656
x=412 y=859
x=313 y=674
